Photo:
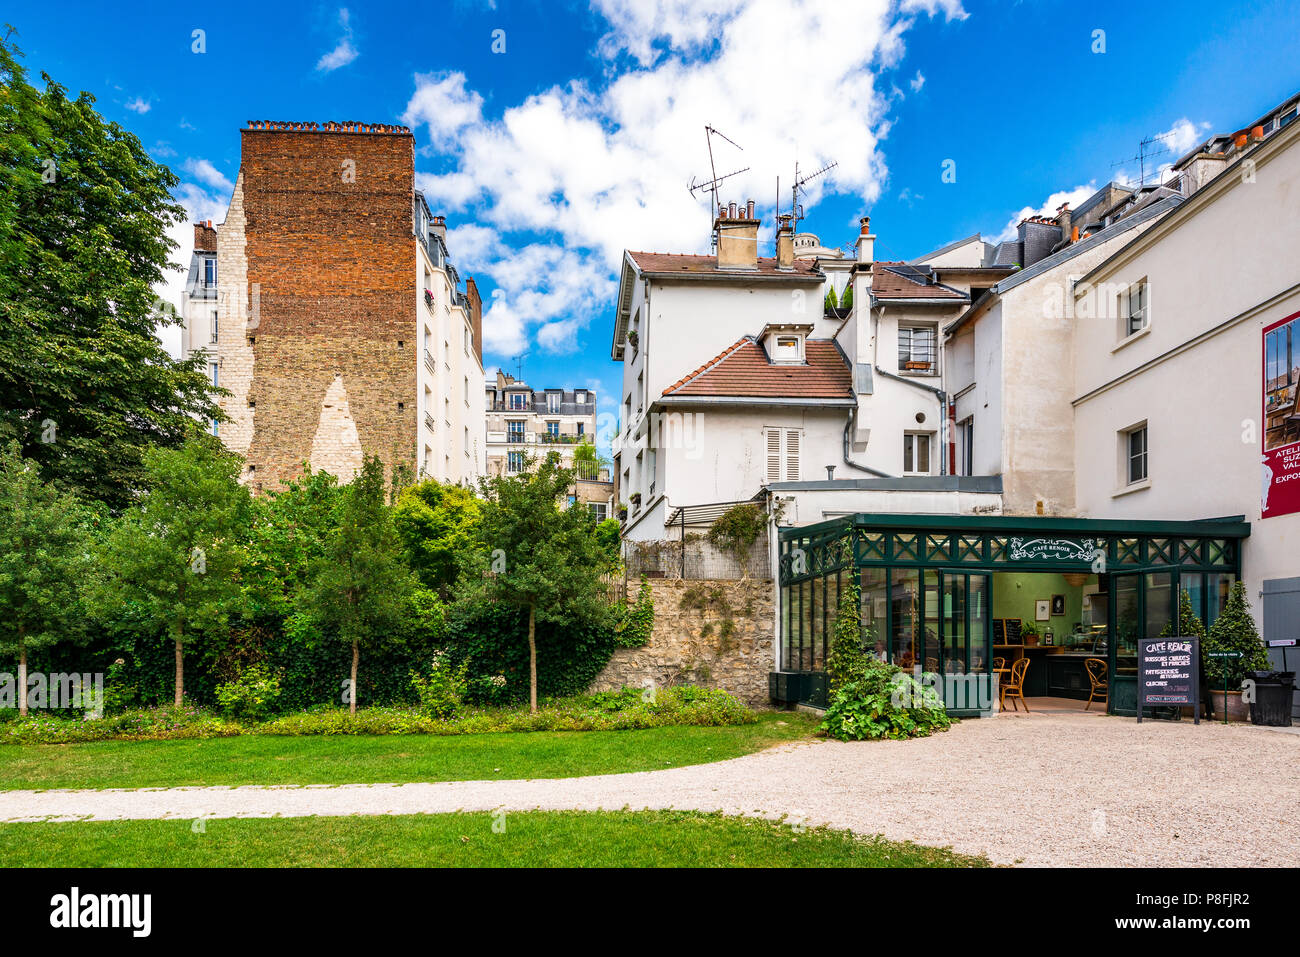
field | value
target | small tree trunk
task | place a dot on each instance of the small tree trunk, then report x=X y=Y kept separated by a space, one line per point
x=532 y=659
x=356 y=656
x=22 y=679
x=180 y=670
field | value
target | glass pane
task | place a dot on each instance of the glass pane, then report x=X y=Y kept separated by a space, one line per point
x=1216 y=595
x=932 y=651
x=1194 y=584
x=905 y=606
x=815 y=634
x=1126 y=623
x=1159 y=602
x=978 y=603
x=953 y=620
x=875 y=596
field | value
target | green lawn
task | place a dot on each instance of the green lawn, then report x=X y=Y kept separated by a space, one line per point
x=529 y=839
x=348 y=759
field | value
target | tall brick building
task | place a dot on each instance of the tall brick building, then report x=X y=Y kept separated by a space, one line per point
x=331 y=311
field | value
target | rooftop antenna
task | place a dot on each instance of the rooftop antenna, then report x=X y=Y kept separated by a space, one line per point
x=519 y=365
x=712 y=185
x=796 y=210
x=1145 y=150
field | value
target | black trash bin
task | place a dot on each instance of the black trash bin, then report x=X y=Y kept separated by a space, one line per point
x=1272 y=705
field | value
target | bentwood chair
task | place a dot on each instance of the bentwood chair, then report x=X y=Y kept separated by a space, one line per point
x=1014 y=686
x=1096 y=668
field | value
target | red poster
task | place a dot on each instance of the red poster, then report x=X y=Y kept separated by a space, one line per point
x=1281 y=463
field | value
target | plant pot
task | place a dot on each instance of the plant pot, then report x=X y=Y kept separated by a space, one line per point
x=1031 y=639
x=1237 y=709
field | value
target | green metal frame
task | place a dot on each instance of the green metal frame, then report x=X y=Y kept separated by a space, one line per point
x=963 y=545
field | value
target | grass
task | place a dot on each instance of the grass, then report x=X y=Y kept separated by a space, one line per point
x=529 y=839
x=395 y=759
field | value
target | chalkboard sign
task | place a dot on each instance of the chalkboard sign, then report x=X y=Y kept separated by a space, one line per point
x=1006 y=631
x=1169 y=674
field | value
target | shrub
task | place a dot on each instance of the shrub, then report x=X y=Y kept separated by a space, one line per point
x=250 y=697
x=442 y=690
x=1233 y=630
x=637 y=621
x=883 y=702
x=847 y=661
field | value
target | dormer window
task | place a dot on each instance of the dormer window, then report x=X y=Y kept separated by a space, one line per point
x=787 y=348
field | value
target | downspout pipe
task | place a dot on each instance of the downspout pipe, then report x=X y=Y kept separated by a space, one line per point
x=848 y=427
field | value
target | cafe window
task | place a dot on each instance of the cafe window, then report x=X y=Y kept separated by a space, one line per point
x=1134 y=445
x=916 y=453
x=1134 y=309
x=916 y=348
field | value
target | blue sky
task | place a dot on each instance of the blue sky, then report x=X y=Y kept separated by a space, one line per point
x=579 y=138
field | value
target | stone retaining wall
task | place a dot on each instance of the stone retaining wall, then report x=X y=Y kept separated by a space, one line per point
x=692 y=642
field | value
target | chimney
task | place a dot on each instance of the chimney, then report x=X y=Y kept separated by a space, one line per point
x=785 y=243
x=737 y=234
x=866 y=241
x=439 y=227
x=1037 y=236
x=475 y=316
x=1063 y=217
x=205 y=237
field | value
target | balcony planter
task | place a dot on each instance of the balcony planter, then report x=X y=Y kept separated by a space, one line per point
x=635 y=498
x=622 y=513
x=917 y=366
x=428 y=298
x=634 y=339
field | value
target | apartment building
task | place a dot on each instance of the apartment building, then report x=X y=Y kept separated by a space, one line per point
x=328 y=306
x=524 y=423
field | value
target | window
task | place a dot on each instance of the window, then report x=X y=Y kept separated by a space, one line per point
x=1133 y=309
x=467 y=440
x=212 y=367
x=214 y=426
x=572 y=499
x=467 y=340
x=916 y=348
x=783 y=454
x=514 y=431
x=599 y=510
x=1135 y=454
x=553 y=429
x=553 y=402
x=209 y=271
x=514 y=461
x=580 y=398
x=787 y=348
x=517 y=400
x=582 y=428
x=966 y=446
x=467 y=390
x=214 y=326
x=916 y=453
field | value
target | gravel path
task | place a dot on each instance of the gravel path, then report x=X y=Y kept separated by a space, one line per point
x=1043 y=789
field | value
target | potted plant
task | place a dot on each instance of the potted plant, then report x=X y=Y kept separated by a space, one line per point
x=622 y=513
x=428 y=298
x=634 y=338
x=1233 y=630
x=1029 y=632
x=635 y=498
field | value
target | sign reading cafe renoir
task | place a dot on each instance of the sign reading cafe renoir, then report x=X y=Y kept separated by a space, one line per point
x=1051 y=549
x=1169 y=674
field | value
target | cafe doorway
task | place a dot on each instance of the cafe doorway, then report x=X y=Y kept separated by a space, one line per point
x=1050 y=645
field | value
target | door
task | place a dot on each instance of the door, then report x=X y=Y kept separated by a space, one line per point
x=958 y=638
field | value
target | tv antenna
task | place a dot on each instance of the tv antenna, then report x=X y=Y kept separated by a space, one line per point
x=1144 y=151
x=519 y=365
x=796 y=210
x=712 y=185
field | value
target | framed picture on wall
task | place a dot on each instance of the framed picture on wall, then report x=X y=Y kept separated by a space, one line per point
x=1058 y=604
x=1042 y=609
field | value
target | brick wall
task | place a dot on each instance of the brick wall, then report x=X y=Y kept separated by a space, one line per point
x=330 y=254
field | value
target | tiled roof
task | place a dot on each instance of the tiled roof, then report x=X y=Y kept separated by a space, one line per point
x=898 y=280
x=708 y=265
x=742 y=370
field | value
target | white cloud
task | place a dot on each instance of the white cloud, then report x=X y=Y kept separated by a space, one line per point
x=139 y=105
x=1163 y=151
x=345 y=52
x=600 y=168
x=206 y=173
x=917 y=82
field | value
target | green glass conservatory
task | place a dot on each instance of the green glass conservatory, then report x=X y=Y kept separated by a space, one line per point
x=955 y=597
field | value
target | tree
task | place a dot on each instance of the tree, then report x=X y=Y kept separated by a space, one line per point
x=176 y=555
x=846 y=300
x=438 y=526
x=44 y=561
x=831 y=302
x=1233 y=630
x=587 y=460
x=609 y=537
x=542 y=557
x=361 y=588
x=85 y=384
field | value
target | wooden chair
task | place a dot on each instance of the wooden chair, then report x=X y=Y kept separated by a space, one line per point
x=1015 y=685
x=999 y=664
x=1096 y=669
x=932 y=665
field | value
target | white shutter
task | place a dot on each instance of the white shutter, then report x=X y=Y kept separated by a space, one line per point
x=774 y=455
x=792 y=455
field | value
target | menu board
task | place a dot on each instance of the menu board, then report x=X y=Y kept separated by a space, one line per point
x=1169 y=674
x=1006 y=631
